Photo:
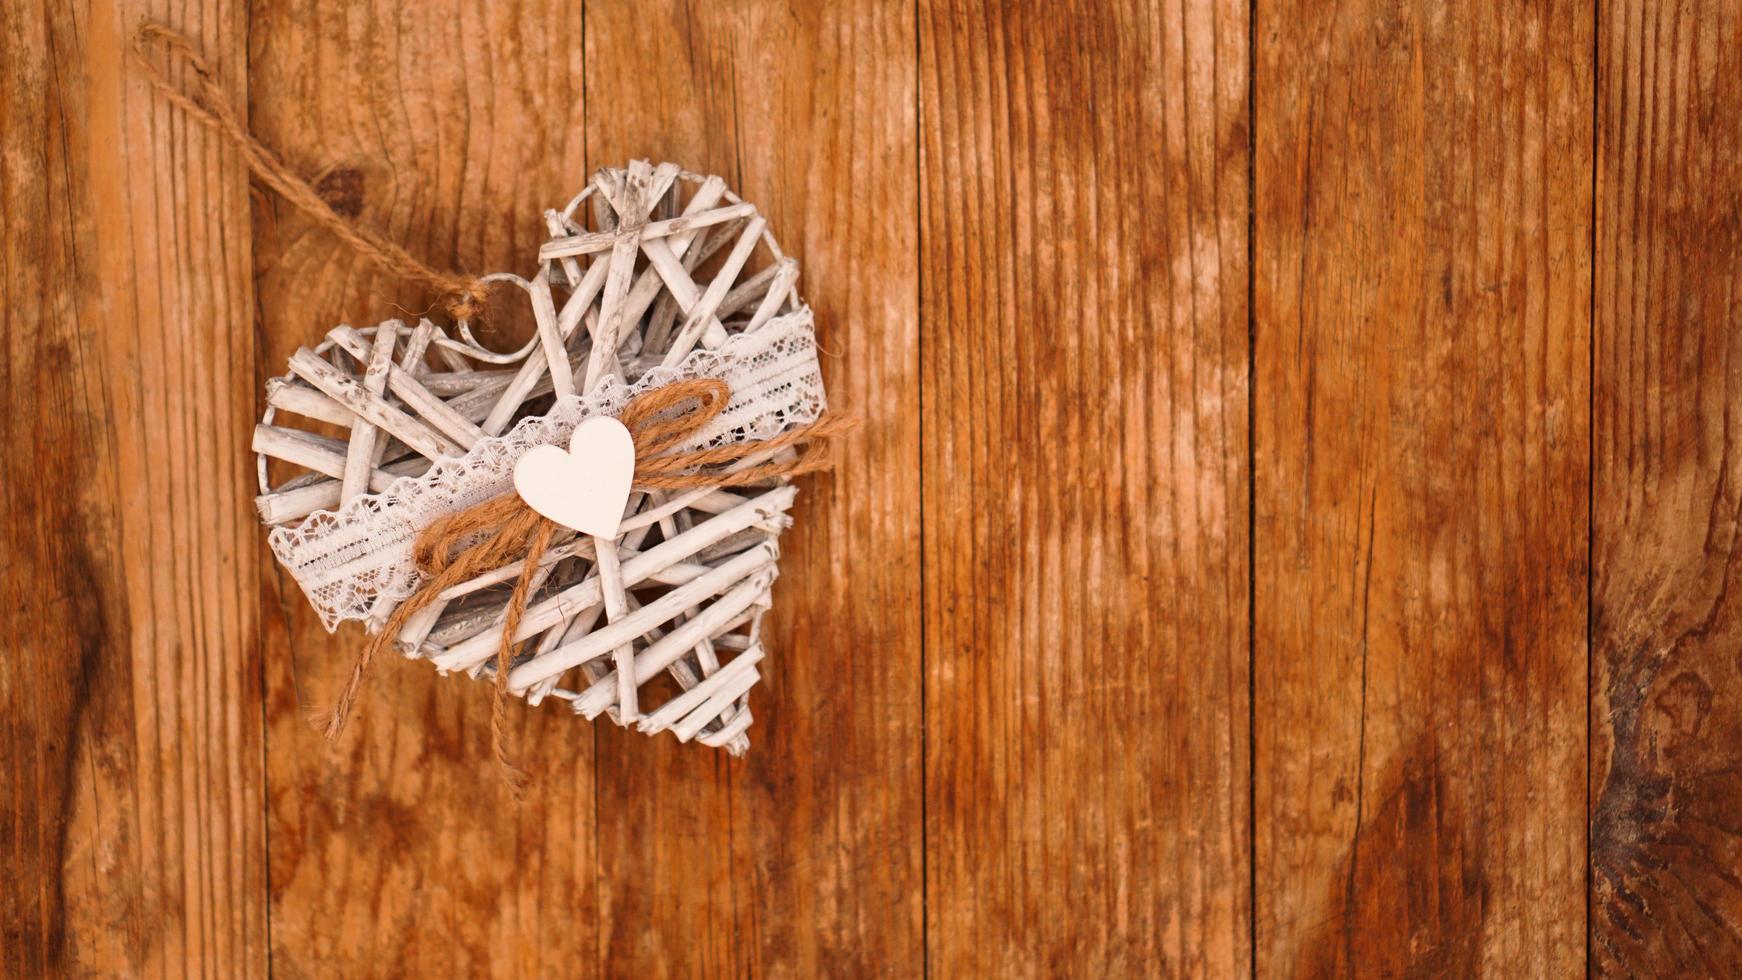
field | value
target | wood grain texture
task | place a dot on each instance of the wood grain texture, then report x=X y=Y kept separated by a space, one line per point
x=803 y=858
x=1666 y=697
x=133 y=840
x=1084 y=358
x=1422 y=284
x=1141 y=631
x=399 y=851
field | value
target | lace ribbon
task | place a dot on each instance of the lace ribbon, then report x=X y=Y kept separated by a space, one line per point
x=354 y=560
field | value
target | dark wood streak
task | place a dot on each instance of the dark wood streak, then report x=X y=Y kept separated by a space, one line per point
x=1381 y=887
x=342 y=190
x=1666 y=700
x=51 y=589
x=133 y=833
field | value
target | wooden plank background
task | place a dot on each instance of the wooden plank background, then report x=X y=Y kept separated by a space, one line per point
x=1422 y=284
x=1083 y=389
x=1294 y=534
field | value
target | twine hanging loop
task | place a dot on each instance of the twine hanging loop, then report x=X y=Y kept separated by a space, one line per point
x=211 y=107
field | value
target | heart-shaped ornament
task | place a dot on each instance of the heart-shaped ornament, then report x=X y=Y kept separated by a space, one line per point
x=652 y=275
x=585 y=488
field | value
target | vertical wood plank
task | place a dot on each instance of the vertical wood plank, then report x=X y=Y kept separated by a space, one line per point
x=1666 y=698
x=1422 y=228
x=802 y=859
x=399 y=852
x=1084 y=366
x=132 y=835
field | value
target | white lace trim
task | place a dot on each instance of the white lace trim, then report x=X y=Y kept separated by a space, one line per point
x=349 y=559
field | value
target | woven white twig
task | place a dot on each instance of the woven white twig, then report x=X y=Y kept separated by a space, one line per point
x=651 y=274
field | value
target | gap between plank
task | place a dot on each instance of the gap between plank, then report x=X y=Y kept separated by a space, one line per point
x=1252 y=487
x=1591 y=458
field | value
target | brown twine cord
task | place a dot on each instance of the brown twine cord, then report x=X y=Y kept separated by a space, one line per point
x=212 y=108
x=491 y=535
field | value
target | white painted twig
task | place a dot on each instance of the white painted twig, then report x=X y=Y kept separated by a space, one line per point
x=700 y=318
x=540 y=615
x=681 y=706
x=721 y=615
x=591 y=242
x=350 y=393
x=720 y=701
x=360 y=452
x=402 y=382
x=292 y=396
x=280 y=506
x=731 y=736
x=655 y=613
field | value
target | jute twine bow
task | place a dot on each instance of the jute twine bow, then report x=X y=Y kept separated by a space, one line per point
x=494 y=534
x=211 y=107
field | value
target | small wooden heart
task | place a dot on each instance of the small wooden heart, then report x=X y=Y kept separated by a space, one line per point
x=585 y=488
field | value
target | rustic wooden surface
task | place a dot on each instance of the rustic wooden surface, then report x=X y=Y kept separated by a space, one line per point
x=1422 y=362
x=1082 y=347
x=135 y=830
x=1666 y=611
x=1294 y=534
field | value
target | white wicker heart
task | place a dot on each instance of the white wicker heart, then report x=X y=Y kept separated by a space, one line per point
x=652 y=274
